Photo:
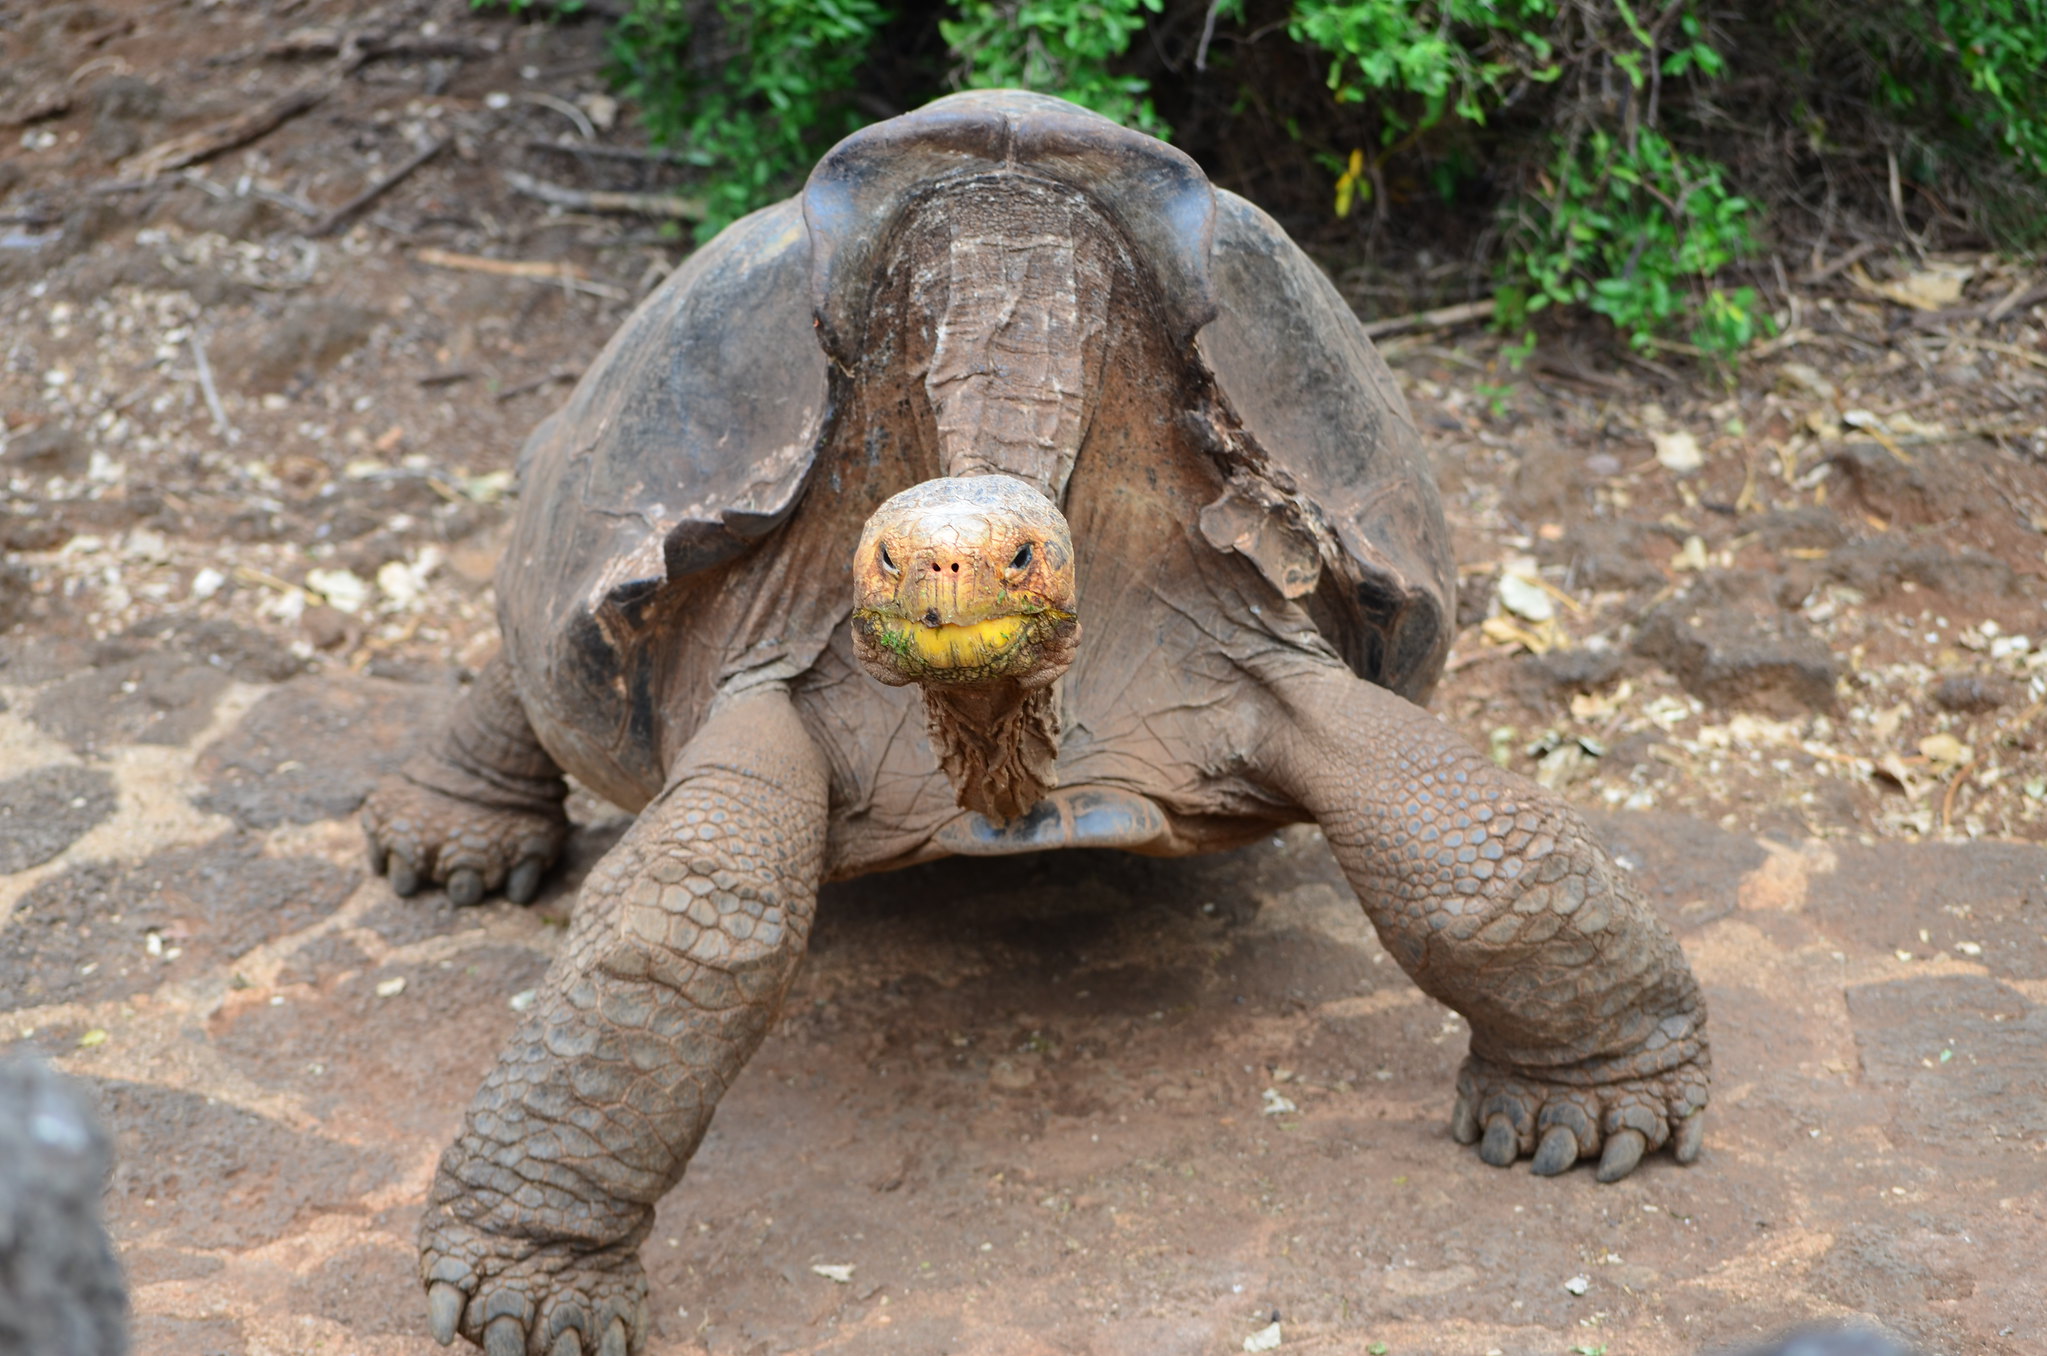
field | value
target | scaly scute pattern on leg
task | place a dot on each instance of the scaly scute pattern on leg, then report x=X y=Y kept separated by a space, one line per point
x=1588 y=1030
x=685 y=939
x=481 y=810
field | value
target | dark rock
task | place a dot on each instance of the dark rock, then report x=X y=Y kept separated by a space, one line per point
x=1972 y=693
x=1728 y=656
x=31 y=659
x=1877 y=480
x=242 y=652
x=237 y=218
x=313 y=749
x=327 y=627
x=39 y=531
x=1992 y=1085
x=120 y=105
x=47 y=810
x=49 y=449
x=1607 y=556
x=215 y=1176
x=1543 y=680
x=60 y=1285
x=1793 y=586
x=15 y=594
x=83 y=934
x=1806 y=528
x=310 y=336
x=356 y=1290
x=1877 y=565
x=323 y=958
x=157 y=698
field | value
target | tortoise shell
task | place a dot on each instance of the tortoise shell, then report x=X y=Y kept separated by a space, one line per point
x=733 y=396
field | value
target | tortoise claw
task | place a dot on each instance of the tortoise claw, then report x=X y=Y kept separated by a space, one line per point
x=566 y=1343
x=1501 y=1142
x=1557 y=1151
x=1463 y=1121
x=404 y=879
x=614 y=1340
x=1691 y=1135
x=444 y=1310
x=465 y=888
x=505 y=1336
x=1624 y=1150
x=524 y=882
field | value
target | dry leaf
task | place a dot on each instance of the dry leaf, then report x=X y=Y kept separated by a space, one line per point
x=1944 y=752
x=1678 y=452
x=1936 y=286
x=1525 y=598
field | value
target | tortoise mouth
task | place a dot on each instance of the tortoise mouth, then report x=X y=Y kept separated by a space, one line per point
x=1009 y=646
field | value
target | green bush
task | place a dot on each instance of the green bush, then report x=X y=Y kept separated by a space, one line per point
x=1628 y=155
x=750 y=91
x=1064 y=47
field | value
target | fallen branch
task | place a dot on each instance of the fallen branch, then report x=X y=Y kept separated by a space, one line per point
x=208 y=142
x=559 y=374
x=1443 y=318
x=319 y=42
x=504 y=268
x=1993 y=346
x=598 y=200
x=1851 y=257
x=213 y=405
x=593 y=151
x=353 y=208
x=568 y=275
x=2019 y=296
x=2025 y=294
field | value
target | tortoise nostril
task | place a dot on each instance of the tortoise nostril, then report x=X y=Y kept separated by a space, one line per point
x=955 y=567
x=931 y=616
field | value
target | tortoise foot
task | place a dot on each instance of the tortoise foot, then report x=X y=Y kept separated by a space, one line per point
x=1509 y=1114
x=420 y=836
x=519 y=1297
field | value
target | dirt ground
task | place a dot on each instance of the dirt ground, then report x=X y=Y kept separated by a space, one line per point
x=1782 y=640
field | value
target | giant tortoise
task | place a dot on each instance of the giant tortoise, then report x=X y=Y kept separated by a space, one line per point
x=1010 y=488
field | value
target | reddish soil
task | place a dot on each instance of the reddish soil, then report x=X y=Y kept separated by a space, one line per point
x=1799 y=686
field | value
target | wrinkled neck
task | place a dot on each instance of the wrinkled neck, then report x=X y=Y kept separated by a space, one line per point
x=998 y=745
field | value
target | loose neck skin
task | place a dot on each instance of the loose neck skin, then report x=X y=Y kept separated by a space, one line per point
x=998 y=744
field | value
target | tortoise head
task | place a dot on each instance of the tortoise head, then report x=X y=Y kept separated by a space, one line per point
x=965 y=581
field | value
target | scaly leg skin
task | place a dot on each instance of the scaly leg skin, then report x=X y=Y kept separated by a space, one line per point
x=480 y=810
x=685 y=939
x=1588 y=1031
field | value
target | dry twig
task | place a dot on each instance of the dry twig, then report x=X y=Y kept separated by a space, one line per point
x=600 y=200
x=559 y=374
x=1442 y=318
x=208 y=142
x=212 y=393
x=353 y=208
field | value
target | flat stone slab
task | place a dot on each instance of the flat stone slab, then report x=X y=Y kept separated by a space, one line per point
x=47 y=810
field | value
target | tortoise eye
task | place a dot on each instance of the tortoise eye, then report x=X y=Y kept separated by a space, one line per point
x=886 y=562
x=1022 y=560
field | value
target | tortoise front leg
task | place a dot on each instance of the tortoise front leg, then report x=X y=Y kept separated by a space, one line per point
x=685 y=938
x=481 y=808
x=1588 y=1031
